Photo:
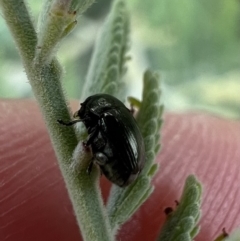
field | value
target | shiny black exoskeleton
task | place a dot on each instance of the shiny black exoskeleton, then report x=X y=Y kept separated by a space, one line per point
x=114 y=138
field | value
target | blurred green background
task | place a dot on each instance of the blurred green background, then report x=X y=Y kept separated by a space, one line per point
x=193 y=44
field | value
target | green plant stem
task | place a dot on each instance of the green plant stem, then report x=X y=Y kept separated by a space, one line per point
x=45 y=82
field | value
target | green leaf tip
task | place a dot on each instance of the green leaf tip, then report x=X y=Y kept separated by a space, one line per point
x=235 y=236
x=149 y=116
x=55 y=22
x=134 y=102
x=224 y=236
x=80 y=6
x=153 y=170
x=181 y=224
x=129 y=202
x=57 y=19
x=108 y=61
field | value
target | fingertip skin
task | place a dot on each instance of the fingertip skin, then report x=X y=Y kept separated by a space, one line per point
x=208 y=147
x=34 y=203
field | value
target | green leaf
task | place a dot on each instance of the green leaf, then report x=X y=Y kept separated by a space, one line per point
x=224 y=236
x=235 y=236
x=127 y=203
x=79 y=5
x=134 y=102
x=181 y=224
x=108 y=61
x=123 y=202
x=152 y=171
x=149 y=117
x=194 y=232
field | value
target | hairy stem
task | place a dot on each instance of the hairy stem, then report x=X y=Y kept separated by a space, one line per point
x=46 y=84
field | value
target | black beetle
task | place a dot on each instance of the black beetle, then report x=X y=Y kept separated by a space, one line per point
x=114 y=138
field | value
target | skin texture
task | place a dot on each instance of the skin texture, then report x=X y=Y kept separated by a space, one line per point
x=34 y=203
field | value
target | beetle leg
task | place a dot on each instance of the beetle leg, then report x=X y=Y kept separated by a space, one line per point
x=89 y=169
x=86 y=148
x=132 y=110
x=68 y=123
x=101 y=159
x=92 y=134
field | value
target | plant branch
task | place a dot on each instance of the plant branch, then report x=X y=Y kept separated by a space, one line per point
x=46 y=84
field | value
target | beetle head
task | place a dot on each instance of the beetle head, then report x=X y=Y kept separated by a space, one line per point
x=95 y=106
x=98 y=104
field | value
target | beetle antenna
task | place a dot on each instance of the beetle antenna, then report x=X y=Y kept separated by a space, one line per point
x=68 y=123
